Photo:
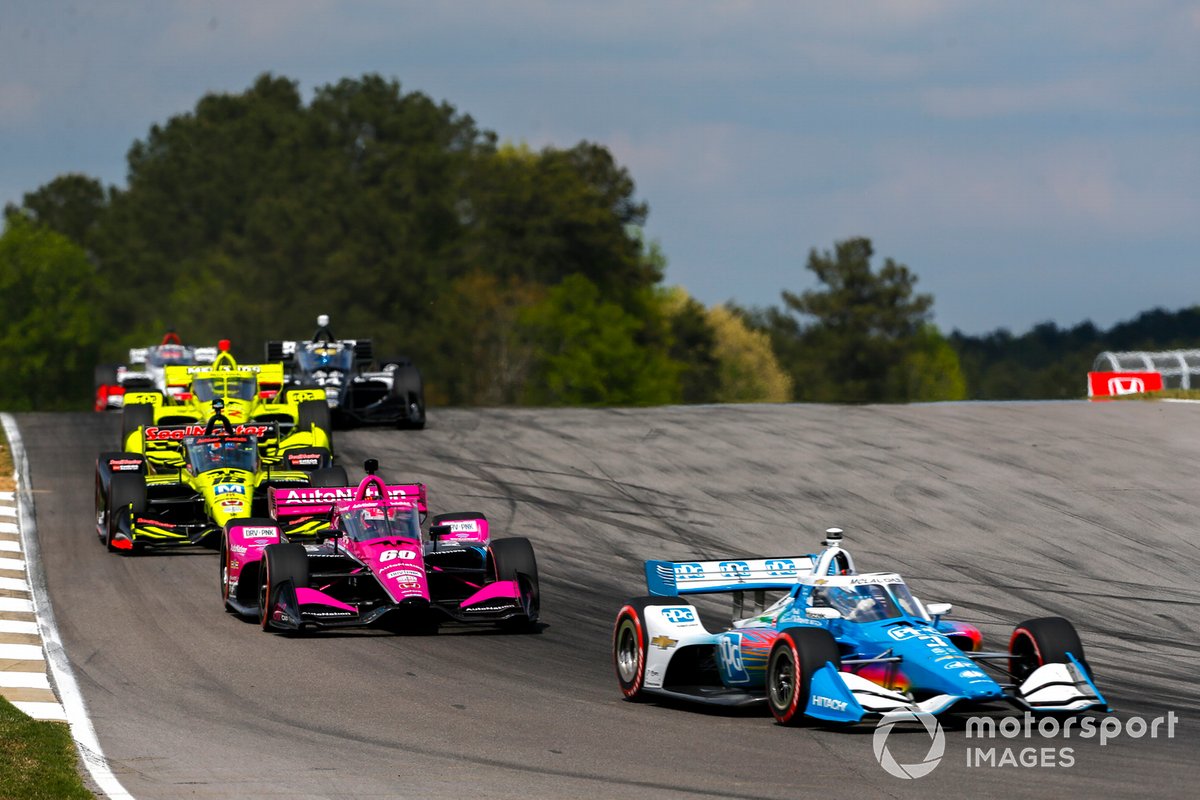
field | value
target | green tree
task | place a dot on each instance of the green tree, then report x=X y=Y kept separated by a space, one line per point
x=249 y=215
x=864 y=336
x=747 y=370
x=71 y=204
x=487 y=361
x=930 y=369
x=541 y=217
x=587 y=352
x=693 y=345
x=48 y=331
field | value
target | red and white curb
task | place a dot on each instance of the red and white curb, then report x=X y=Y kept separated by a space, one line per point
x=24 y=676
x=35 y=673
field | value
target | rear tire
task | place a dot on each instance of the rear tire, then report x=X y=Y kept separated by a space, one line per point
x=513 y=560
x=133 y=417
x=330 y=477
x=315 y=413
x=1046 y=640
x=630 y=644
x=409 y=389
x=281 y=562
x=796 y=655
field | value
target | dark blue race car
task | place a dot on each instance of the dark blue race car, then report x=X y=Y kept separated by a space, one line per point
x=838 y=646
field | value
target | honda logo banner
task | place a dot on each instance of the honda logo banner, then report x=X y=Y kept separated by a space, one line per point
x=1114 y=384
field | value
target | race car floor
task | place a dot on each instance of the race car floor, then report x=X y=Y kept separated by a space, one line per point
x=24 y=680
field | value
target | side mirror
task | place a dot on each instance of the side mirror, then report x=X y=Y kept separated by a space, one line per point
x=939 y=609
x=822 y=612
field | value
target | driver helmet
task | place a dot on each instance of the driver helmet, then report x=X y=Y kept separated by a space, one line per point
x=324 y=355
x=216 y=453
x=374 y=520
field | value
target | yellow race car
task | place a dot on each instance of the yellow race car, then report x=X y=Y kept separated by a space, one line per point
x=251 y=396
x=183 y=484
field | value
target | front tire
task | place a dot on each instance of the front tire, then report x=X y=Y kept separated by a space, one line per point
x=281 y=563
x=630 y=644
x=123 y=491
x=796 y=655
x=513 y=560
x=409 y=389
x=1046 y=640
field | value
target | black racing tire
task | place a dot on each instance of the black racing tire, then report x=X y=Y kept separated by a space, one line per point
x=409 y=389
x=315 y=412
x=1041 y=641
x=104 y=475
x=795 y=656
x=630 y=644
x=223 y=568
x=133 y=417
x=330 y=477
x=280 y=563
x=124 y=489
x=512 y=559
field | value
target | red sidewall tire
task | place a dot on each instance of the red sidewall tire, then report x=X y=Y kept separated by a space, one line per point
x=785 y=709
x=629 y=652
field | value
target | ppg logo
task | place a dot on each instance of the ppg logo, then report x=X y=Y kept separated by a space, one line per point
x=734 y=569
x=679 y=616
x=689 y=572
x=729 y=652
x=780 y=567
x=1126 y=386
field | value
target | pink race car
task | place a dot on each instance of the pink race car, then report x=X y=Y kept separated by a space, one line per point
x=372 y=567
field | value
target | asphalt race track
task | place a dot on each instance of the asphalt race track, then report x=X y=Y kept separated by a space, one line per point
x=1009 y=511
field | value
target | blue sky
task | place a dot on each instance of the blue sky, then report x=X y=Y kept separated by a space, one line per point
x=1029 y=161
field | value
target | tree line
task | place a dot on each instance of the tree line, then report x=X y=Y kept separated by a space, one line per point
x=510 y=276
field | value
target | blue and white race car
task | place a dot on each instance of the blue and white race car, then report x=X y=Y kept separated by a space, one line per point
x=839 y=646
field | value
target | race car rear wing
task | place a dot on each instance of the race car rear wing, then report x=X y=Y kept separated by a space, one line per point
x=203 y=355
x=672 y=578
x=321 y=500
x=267 y=374
x=175 y=434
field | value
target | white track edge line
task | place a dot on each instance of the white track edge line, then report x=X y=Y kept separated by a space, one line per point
x=60 y=666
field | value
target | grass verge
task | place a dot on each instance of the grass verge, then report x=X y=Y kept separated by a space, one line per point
x=37 y=759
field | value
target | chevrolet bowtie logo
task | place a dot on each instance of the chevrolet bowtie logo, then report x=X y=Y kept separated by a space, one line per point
x=664 y=642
